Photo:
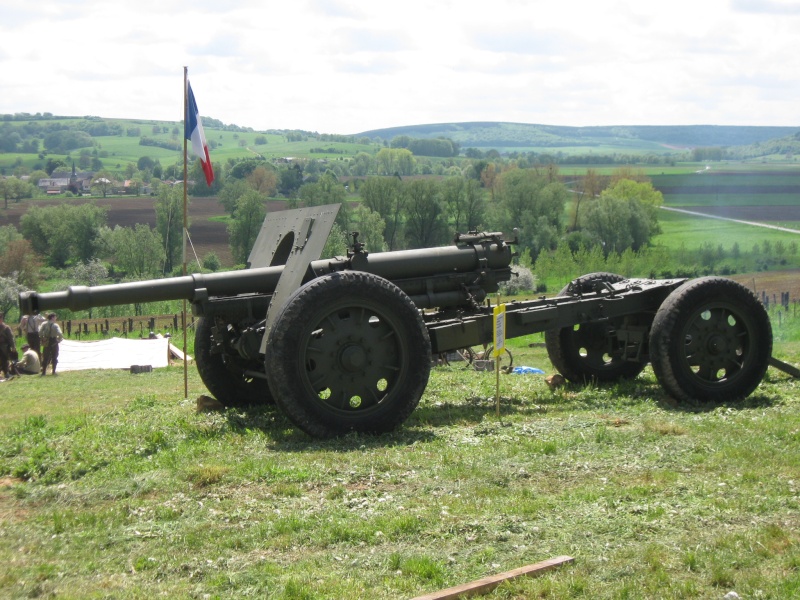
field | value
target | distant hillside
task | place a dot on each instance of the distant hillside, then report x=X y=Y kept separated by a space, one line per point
x=48 y=142
x=520 y=135
x=788 y=145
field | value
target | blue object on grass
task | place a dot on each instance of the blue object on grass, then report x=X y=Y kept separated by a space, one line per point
x=527 y=370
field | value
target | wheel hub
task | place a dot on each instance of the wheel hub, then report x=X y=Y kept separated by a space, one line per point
x=353 y=358
x=717 y=344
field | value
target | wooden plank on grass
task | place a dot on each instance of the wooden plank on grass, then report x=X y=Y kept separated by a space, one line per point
x=482 y=586
x=178 y=353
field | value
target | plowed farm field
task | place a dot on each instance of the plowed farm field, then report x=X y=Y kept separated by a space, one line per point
x=772 y=283
x=206 y=235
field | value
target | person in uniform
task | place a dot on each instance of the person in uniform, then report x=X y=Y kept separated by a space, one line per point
x=29 y=364
x=8 y=347
x=51 y=336
x=30 y=325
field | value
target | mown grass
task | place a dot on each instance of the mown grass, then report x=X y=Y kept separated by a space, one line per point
x=113 y=486
x=692 y=232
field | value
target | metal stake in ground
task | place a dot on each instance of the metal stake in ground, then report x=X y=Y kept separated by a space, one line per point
x=499 y=314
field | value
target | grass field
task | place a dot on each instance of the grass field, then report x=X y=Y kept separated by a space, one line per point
x=748 y=194
x=692 y=231
x=113 y=486
x=116 y=151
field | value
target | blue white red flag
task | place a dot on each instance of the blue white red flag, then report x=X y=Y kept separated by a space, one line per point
x=193 y=130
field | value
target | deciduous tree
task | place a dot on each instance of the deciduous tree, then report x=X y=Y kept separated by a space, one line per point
x=13 y=188
x=103 y=182
x=9 y=294
x=370 y=227
x=169 y=224
x=231 y=192
x=138 y=250
x=425 y=218
x=245 y=225
x=64 y=232
x=624 y=216
x=395 y=161
x=362 y=164
x=263 y=180
x=464 y=201
x=384 y=195
x=525 y=199
x=18 y=259
x=328 y=190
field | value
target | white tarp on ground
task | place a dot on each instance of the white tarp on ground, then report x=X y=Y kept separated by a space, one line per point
x=115 y=353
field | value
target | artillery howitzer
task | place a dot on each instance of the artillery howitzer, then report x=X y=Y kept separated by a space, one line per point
x=345 y=344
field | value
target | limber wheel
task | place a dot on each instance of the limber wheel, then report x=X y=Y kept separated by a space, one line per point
x=711 y=341
x=587 y=351
x=224 y=375
x=465 y=355
x=348 y=352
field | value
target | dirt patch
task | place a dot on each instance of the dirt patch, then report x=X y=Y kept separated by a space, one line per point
x=9 y=507
x=772 y=283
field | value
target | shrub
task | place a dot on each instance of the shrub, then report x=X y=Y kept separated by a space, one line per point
x=524 y=281
x=212 y=262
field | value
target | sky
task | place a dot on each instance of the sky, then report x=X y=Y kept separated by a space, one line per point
x=348 y=66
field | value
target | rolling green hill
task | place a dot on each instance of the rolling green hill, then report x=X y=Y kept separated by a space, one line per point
x=117 y=142
x=29 y=140
x=627 y=138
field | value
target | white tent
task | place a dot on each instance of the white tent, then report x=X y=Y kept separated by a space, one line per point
x=114 y=353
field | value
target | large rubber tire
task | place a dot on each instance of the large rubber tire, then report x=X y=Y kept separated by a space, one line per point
x=348 y=352
x=224 y=375
x=582 y=353
x=710 y=342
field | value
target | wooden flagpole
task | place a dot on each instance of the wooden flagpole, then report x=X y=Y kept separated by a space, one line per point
x=185 y=221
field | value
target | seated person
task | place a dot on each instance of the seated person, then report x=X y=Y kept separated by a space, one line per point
x=29 y=363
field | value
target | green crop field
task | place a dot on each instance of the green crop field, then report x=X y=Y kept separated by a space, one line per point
x=753 y=196
x=692 y=231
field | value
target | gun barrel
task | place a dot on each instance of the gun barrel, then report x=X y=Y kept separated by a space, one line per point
x=394 y=266
x=189 y=287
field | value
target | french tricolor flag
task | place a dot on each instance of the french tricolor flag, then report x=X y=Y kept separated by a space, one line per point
x=193 y=130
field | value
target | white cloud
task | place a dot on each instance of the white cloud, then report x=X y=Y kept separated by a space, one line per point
x=767 y=7
x=352 y=65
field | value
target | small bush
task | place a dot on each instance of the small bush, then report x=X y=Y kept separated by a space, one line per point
x=522 y=281
x=212 y=262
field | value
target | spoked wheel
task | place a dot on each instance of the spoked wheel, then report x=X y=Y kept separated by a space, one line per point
x=478 y=356
x=711 y=341
x=225 y=375
x=590 y=351
x=349 y=352
x=467 y=356
x=506 y=358
x=464 y=355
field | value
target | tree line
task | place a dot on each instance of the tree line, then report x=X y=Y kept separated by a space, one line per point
x=597 y=223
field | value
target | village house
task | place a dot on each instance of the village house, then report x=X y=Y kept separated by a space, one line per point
x=64 y=181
